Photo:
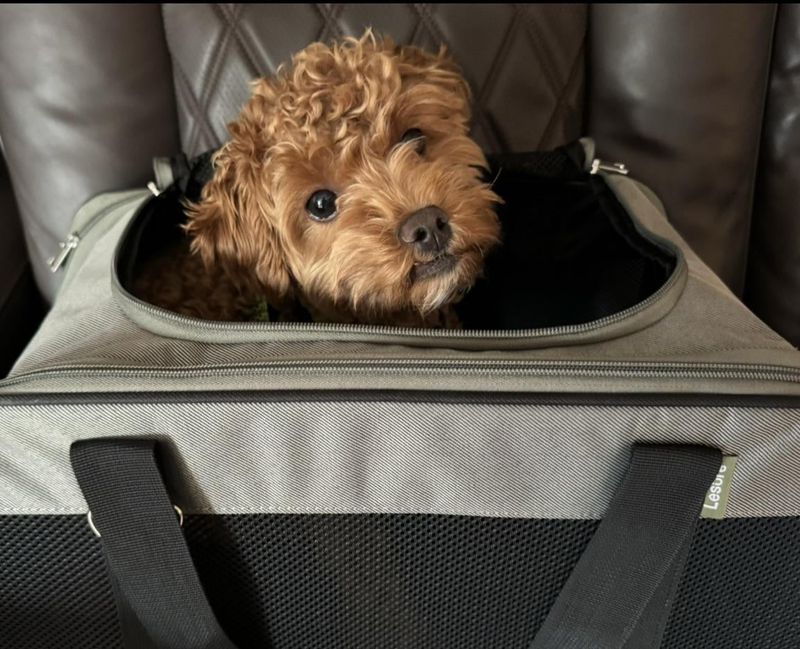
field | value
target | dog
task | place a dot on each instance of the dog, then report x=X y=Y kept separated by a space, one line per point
x=350 y=188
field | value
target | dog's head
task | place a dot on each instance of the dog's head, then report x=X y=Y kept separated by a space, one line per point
x=350 y=183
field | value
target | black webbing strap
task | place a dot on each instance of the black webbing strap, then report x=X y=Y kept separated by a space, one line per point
x=144 y=546
x=620 y=594
x=188 y=175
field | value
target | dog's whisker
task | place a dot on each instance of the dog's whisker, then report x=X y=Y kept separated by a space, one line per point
x=499 y=171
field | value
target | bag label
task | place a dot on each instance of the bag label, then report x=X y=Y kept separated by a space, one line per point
x=716 y=501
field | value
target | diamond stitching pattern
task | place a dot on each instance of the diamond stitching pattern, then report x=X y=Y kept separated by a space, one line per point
x=330 y=27
x=530 y=98
x=184 y=91
x=231 y=15
x=562 y=106
x=531 y=31
x=486 y=90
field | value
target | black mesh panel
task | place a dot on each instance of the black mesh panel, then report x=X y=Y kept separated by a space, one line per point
x=383 y=581
x=741 y=587
x=54 y=588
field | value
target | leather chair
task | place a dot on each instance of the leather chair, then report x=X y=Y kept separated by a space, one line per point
x=702 y=102
x=21 y=305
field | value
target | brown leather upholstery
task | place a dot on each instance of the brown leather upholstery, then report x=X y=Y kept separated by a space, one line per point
x=21 y=306
x=524 y=63
x=678 y=94
x=773 y=274
x=701 y=102
x=86 y=101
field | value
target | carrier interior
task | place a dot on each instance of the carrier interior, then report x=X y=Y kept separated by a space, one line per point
x=570 y=255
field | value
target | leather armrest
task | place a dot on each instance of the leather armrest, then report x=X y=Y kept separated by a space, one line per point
x=86 y=102
x=21 y=306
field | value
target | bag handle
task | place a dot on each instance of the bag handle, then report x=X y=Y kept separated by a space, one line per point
x=619 y=595
x=147 y=554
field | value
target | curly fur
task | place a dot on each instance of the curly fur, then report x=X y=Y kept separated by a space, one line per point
x=334 y=119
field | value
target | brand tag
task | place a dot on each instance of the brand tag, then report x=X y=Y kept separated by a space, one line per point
x=716 y=501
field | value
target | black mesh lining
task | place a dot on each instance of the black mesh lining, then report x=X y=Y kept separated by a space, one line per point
x=54 y=588
x=741 y=587
x=570 y=255
x=386 y=580
x=375 y=581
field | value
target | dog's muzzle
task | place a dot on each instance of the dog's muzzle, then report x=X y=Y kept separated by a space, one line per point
x=428 y=233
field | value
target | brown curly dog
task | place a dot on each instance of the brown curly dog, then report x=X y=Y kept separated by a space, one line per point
x=350 y=186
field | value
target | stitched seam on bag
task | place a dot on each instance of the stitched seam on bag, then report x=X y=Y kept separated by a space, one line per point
x=760 y=513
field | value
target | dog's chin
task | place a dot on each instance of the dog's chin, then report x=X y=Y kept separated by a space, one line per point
x=441 y=265
x=440 y=281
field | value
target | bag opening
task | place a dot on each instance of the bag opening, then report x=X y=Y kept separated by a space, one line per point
x=570 y=252
x=570 y=255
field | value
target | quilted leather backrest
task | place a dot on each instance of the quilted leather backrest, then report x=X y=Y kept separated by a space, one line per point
x=525 y=63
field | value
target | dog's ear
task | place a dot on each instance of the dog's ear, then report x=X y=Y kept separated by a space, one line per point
x=435 y=92
x=233 y=225
x=422 y=67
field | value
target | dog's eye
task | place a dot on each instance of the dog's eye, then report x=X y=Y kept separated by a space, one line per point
x=321 y=205
x=417 y=137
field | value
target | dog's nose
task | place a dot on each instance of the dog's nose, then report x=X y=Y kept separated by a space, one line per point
x=427 y=230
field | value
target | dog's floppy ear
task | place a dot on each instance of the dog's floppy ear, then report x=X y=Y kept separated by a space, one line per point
x=424 y=68
x=233 y=225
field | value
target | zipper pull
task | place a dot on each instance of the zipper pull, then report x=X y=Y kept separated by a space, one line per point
x=66 y=248
x=609 y=167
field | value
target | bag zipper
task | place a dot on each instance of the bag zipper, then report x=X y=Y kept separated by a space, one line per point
x=539 y=369
x=597 y=166
x=66 y=247
x=333 y=328
x=74 y=238
x=511 y=368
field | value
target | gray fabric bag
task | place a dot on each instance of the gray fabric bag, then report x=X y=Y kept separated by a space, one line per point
x=353 y=486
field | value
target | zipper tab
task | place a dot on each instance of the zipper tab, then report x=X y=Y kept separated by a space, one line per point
x=609 y=167
x=66 y=248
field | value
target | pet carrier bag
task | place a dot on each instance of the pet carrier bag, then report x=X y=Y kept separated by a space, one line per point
x=605 y=456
